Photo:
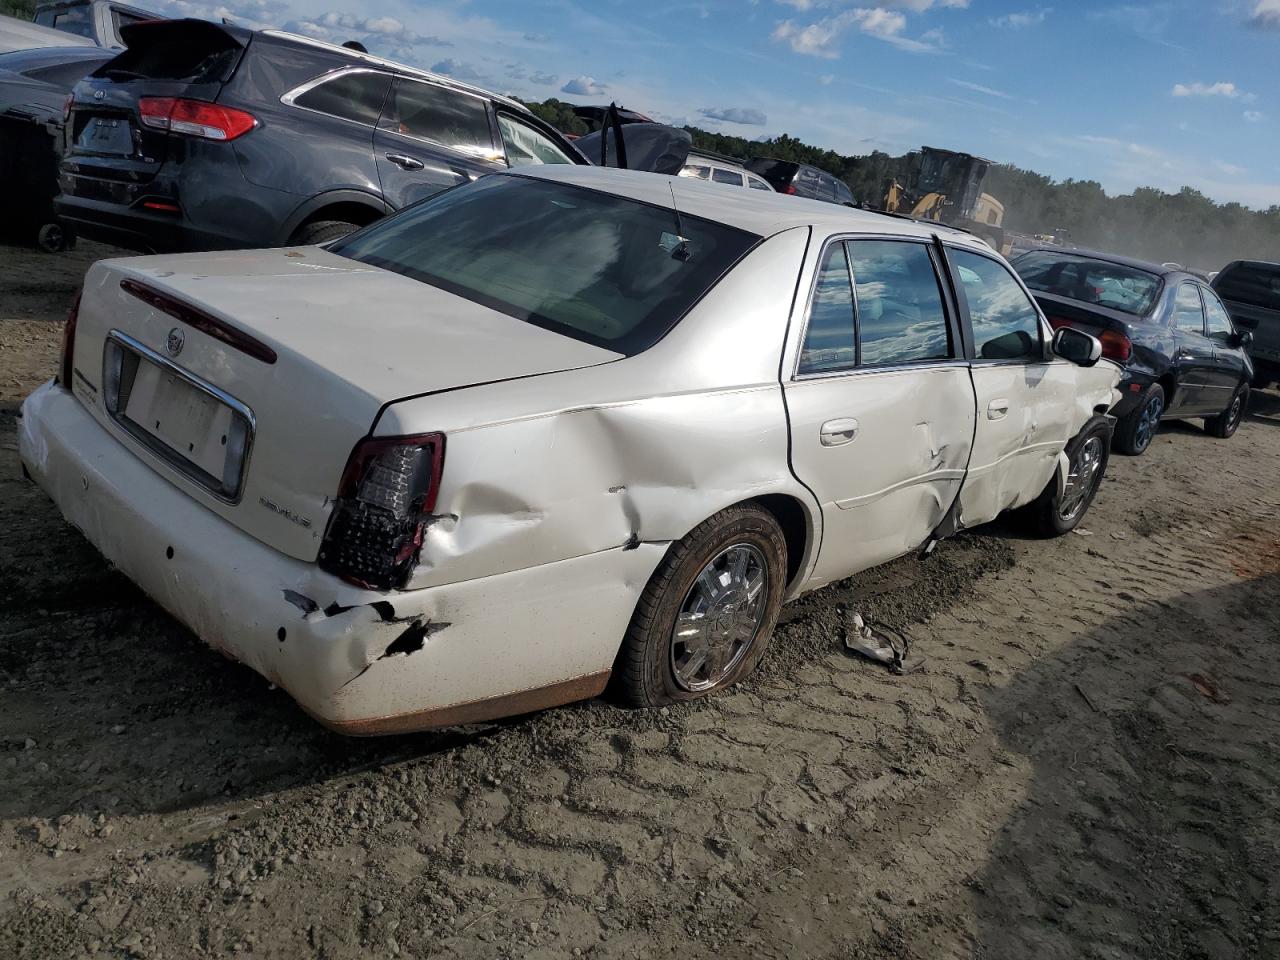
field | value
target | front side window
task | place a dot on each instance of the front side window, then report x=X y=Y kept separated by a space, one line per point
x=1006 y=324
x=900 y=314
x=726 y=176
x=355 y=96
x=602 y=269
x=430 y=112
x=1220 y=326
x=829 y=338
x=1188 y=315
x=526 y=146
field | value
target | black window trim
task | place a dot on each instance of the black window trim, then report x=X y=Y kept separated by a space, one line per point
x=962 y=303
x=290 y=98
x=945 y=296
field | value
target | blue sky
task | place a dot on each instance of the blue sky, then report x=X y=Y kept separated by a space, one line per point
x=1165 y=94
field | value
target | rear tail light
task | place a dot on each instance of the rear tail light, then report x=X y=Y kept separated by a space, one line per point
x=1115 y=345
x=195 y=118
x=69 y=342
x=791 y=190
x=384 y=505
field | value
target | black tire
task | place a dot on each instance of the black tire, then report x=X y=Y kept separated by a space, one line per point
x=1228 y=422
x=1136 y=430
x=322 y=231
x=645 y=673
x=1046 y=516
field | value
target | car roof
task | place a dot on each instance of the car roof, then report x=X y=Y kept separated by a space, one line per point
x=1158 y=269
x=357 y=57
x=755 y=211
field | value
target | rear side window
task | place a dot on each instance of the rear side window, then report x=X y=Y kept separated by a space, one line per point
x=843 y=193
x=606 y=270
x=726 y=176
x=1257 y=284
x=1188 y=314
x=829 y=338
x=900 y=314
x=526 y=146
x=755 y=183
x=430 y=112
x=1006 y=324
x=1219 y=321
x=355 y=96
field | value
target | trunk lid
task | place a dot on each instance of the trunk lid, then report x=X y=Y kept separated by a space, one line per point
x=190 y=59
x=173 y=355
x=1090 y=318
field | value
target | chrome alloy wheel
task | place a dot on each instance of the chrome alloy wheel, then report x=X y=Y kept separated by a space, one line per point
x=719 y=618
x=1082 y=478
x=1148 y=421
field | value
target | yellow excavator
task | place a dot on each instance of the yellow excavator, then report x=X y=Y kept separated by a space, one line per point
x=946 y=186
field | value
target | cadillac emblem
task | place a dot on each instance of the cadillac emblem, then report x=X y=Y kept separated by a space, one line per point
x=175 y=342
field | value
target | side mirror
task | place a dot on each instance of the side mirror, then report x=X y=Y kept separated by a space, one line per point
x=1077 y=346
x=1243 y=339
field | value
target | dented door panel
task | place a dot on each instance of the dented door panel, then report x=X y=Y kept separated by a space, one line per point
x=885 y=491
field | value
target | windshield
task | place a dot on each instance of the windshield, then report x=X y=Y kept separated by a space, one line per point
x=1110 y=285
x=603 y=269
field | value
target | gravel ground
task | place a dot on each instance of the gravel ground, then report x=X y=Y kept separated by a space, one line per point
x=1086 y=766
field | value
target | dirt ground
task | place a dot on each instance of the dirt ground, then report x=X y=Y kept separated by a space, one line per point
x=1087 y=766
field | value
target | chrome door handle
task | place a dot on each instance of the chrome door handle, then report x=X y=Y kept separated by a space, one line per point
x=837 y=432
x=997 y=409
x=405 y=163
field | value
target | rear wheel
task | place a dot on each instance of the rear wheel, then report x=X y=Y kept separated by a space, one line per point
x=322 y=231
x=1137 y=429
x=1228 y=422
x=1053 y=514
x=705 y=617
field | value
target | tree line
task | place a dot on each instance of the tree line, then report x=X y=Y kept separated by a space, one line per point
x=1184 y=227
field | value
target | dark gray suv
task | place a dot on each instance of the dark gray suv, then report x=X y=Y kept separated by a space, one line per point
x=203 y=136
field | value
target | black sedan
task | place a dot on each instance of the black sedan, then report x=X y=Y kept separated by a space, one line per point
x=1181 y=356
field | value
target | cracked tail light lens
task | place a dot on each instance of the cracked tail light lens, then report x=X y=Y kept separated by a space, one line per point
x=384 y=504
x=69 y=342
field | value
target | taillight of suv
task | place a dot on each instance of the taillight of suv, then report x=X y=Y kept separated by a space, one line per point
x=384 y=505
x=195 y=118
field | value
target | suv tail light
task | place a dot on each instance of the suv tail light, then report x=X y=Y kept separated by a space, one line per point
x=69 y=341
x=196 y=118
x=385 y=500
x=791 y=190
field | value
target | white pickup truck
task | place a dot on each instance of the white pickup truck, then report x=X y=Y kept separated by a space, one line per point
x=98 y=20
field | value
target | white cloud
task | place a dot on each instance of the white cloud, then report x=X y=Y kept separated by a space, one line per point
x=1220 y=89
x=1254 y=116
x=820 y=38
x=584 y=87
x=1021 y=19
x=744 y=115
x=979 y=88
x=458 y=70
x=1266 y=13
x=827 y=79
x=544 y=79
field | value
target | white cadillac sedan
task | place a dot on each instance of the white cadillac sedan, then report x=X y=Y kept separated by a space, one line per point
x=549 y=429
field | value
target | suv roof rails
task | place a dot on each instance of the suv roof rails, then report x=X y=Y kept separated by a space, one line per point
x=399 y=68
x=722 y=157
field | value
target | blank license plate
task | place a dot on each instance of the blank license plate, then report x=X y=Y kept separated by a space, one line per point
x=107 y=135
x=187 y=420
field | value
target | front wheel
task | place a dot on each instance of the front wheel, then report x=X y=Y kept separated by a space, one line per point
x=1228 y=422
x=706 y=615
x=1055 y=513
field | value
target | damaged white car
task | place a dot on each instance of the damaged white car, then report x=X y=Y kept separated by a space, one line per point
x=551 y=428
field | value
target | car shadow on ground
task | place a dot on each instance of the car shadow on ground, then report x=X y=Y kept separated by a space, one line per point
x=1264 y=407
x=1148 y=826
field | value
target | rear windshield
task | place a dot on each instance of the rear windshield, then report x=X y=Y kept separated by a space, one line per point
x=1106 y=284
x=1257 y=284
x=602 y=269
x=773 y=169
x=189 y=50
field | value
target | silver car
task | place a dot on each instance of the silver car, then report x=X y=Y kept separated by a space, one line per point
x=552 y=429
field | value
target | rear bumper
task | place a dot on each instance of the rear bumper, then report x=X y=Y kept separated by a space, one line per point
x=1133 y=384
x=361 y=662
x=137 y=229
